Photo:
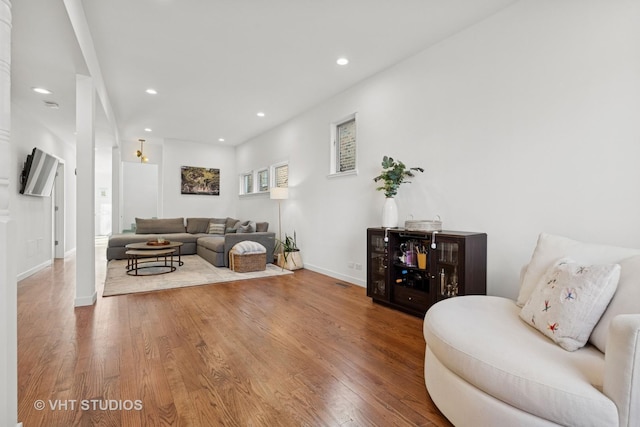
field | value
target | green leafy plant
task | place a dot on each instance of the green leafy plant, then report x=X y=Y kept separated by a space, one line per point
x=287 y=246
x=393 y=174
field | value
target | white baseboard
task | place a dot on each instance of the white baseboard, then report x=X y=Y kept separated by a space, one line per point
x=84 y=301
x=335 y=275
x=33 y=270
x=70 y=252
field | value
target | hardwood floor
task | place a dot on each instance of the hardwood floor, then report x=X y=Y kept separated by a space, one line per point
x=296 y=350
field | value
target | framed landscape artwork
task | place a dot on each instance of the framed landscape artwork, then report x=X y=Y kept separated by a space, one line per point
x=197 y=180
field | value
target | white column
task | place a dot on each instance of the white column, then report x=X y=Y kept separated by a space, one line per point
x=85 y=192
x=116 y=204
x=8 y=285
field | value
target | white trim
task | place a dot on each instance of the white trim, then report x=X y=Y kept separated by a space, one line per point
x=242 y=188
x=85 y=301
x=352 y=280
x=339 y=174
x=34 y=270
x=256 y=179
x=249 y=195
x=272 y=172
x=333 y=146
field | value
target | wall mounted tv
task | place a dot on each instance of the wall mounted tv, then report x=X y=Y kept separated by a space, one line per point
x=38 y=174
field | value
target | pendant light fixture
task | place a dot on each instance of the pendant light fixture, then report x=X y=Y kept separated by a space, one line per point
x=140 y=154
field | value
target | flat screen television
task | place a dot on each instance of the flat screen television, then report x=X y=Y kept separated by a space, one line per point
x=38 y=174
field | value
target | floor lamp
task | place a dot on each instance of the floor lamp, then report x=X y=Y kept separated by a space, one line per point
x=279 y=194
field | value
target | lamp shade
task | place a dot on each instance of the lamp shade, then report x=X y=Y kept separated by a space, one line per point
x=279 y=193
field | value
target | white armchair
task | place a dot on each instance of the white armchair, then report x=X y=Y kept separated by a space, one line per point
x=622 y=368
x=486 y=366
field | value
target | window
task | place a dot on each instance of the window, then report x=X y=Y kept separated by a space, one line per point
x=259 y=181
x=246 y=183
x=343 y=146
x=263 y=180
x=280 y=174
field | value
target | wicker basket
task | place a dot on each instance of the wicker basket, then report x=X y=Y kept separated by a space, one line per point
x=245 y=263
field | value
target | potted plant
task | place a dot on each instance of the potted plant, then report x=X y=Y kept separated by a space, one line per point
x=393 y=174
x=290 y=258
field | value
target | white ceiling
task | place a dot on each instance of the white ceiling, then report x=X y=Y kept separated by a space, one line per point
x=216 y=63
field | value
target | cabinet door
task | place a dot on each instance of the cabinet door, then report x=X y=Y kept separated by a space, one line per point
x=408 y=274
x=377 y=265
x=459 y=265
x=449 y=263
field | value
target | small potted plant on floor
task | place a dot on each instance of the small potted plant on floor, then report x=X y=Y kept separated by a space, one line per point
x=289 y=256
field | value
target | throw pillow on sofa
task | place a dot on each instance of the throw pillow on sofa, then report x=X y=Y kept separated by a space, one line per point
x=216 y=228
x=550 y=248
x=569 y=300
x=250 y=227
x=230 y=224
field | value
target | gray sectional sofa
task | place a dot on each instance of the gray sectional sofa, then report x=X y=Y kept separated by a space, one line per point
x=198 y=236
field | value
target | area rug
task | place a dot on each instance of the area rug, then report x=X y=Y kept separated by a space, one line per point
x=195 y=271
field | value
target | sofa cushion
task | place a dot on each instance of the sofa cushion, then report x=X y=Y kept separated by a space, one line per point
x=214 y=242
x=626 y=300
x=159 y=225
x=550 y=248
x=481 y=339
x=197 y=225
x=569 y=300
x=262 y=227
x=201 y=225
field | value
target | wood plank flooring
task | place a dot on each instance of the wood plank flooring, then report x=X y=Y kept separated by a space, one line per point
x=296 y=350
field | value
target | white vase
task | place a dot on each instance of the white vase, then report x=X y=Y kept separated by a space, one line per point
x=390 y=213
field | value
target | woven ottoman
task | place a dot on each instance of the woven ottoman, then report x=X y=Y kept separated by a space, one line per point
x=247 y=256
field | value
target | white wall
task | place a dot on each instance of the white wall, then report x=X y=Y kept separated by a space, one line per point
x=184 y=153
x=33 y=215
x=526 y=122
x=103 y=199
x=140 y=192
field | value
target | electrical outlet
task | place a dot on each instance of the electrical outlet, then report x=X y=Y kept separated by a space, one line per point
x=350 y=264
x=358 y=266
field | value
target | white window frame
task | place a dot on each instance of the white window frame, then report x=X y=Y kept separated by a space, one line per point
x=334 y=151
x=272 y=173
x=242 y=182
x=257 y=181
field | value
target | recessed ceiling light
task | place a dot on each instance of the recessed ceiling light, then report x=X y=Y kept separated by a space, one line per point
x=342 y=61
x=51 y=104
x=260 y=114
x=221 y=139
x=148 y=129
x=42 y=90
x=151 y=91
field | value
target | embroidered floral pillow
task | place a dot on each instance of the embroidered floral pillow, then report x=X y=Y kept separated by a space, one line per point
x=569 y=300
